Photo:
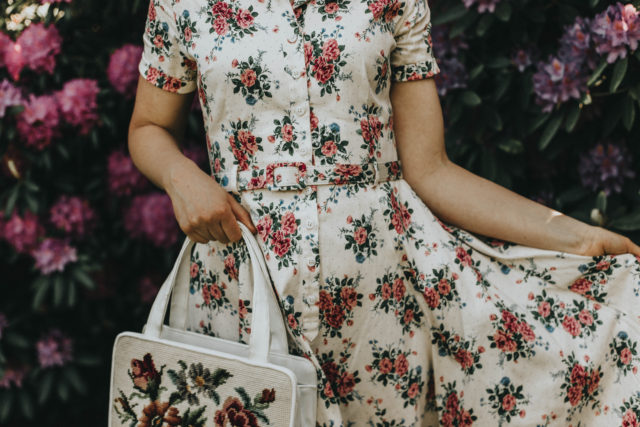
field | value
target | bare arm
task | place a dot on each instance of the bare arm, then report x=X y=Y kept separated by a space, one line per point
x=204 y=210
x=471 y=202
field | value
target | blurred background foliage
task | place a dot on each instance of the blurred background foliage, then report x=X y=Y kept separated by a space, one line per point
x=541 y=96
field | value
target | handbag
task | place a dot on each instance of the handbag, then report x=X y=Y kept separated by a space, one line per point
x=169 y=376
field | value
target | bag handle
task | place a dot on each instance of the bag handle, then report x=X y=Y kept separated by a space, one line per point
x=268 y=331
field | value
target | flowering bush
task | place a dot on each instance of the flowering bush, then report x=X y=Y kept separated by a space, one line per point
x=539 y=96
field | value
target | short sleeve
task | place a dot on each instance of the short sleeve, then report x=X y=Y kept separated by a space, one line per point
x=163 y=62
x=413 y=58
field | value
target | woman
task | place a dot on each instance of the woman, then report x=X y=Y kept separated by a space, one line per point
x=325 y=137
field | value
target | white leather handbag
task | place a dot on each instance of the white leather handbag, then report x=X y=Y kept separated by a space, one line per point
x=169 y=376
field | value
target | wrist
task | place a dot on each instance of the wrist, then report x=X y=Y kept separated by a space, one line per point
x=174 y=173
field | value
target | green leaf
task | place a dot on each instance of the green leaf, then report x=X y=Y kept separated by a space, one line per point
x=11 y=200
x=71 y=295
x=499 y=62
x=451 y=14
x=71 y=374
x=470 y=98
x=493 y=119
x=6 y=402
x=503 y=11
x=619 y=72
x=41 y=286
x=628 y=113
x=484 y=24
x=601 y=202
x=550 y=131
x=572 y=118
x=511 y=146
x=635 y=91
x=598 y=71
x=58 y=290
x=630 y=222
x=593 y=3
x=476 y=71
x=26 y=404
x=81 y=276
x=16 y=339
x=44 y=387
x=571 y=196
x=63 y=391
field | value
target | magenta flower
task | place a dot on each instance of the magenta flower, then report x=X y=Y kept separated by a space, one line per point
x=78 y=105
x=38 y=124
x=483 y=5
x=122 y=70
x=124 y=178
x=13 y=375
x=9 y=96
x=53 y=254
x=35 y=48
x=54 y=349
x=605 y=167
x=23 y=233
x=73 y=215
x=151 y=216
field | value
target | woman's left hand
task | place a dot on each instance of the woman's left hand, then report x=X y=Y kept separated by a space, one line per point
x=600 y=241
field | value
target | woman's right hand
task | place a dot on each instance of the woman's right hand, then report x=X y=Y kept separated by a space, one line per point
x=205 y=211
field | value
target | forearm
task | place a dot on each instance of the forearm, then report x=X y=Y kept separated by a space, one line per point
x=155 y=152
x=478 y=205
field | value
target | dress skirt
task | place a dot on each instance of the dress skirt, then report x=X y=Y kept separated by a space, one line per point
x=425 y=324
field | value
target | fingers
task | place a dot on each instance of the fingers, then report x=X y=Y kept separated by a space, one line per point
x=242 y=215
x=231 y=227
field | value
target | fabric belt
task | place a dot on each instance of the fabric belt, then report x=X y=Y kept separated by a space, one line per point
x=284 y=176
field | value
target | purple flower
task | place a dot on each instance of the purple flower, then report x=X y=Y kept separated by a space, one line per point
x=123 y=69
x=448 y=51
x=616 y=29
x=73 y=215
x=605 y=167
x=3 y=323
x=38 y=124
x=522 y=59
x=557 y=81
x=151 y=216
x=23 y=232
x=53 y=254
x=54 y=349
x=13 y=374
x=9 y=96
x=78 y=105
x=483 y=5
x=124 y=177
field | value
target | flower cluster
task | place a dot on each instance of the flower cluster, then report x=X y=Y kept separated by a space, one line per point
x=73 y=215
x=564 y=76
x=605 y=167
x=10 y=96
x=54 y=349
x=447 y=52
x=122 y=70
x=151 y=216
x=483 y=5
x=35 y=48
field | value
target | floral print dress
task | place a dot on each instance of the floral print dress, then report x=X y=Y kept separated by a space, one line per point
x=409 y=321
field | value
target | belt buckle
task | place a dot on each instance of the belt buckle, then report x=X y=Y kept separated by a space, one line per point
x=286 y=175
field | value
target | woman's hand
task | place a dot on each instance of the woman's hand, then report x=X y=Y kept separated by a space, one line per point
x=600 y=241
x=204 y=210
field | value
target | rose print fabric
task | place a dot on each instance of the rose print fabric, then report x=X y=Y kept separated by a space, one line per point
x=409 y=321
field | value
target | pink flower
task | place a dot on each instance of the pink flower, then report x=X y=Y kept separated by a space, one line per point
x=526 y=332
x=220 y=25
x=23 y=233
x=230 y=266
x=386 y=290
x=54 y=349
x=385 y=366
x=287 y=132
x=124 y=177
x=581 y=286
x=508 y=402
x=322 y=69
x=78 y=105
x=329 y=148
x=413 y=390
x=248 y=78
x=360 y=235
x=571 y=325
x=398 y=289
x=444 y=287
x=38 y=124
x=401 y=365
x=151 y=217
x=244 y=18
x=432 y=297
x=73 y=215
x=264 y=227
x=9 y=95
x=330 y=50
x=575 y=395
x=36 y=47
x=349 y=297
x=281 y=243
x=53 y=254
x=510 y=321
x=625 y=356
x=585 y=317
x=464 y=358
x=122 y=70
x=629 y=419
x=463 y=256
x=13 y=374
x=288 y=223
x=544 y=309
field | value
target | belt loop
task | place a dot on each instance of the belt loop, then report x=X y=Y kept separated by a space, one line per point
x=376 y=172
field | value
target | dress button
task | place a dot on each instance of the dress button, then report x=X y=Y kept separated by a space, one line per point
x=310 y=223
x=311 y=261
x=312 y=298
x=300 y=109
